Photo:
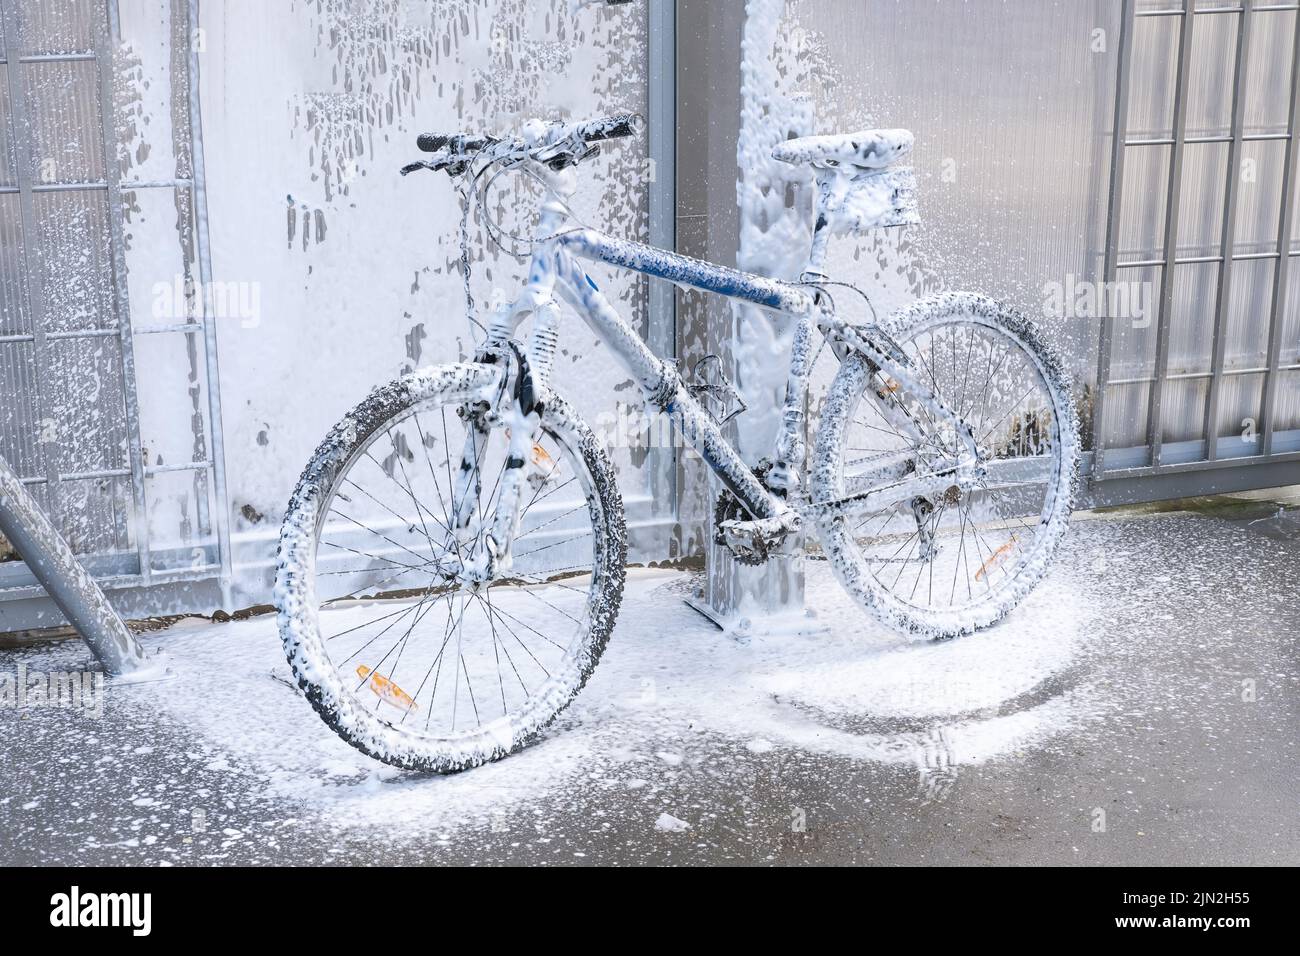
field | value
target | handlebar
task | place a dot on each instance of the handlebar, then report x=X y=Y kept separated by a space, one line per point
x=556 y=144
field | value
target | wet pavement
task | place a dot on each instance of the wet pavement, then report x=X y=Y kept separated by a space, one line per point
x=1162 y=730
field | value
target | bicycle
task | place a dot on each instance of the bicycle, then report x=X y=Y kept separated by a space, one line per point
x=452 y=559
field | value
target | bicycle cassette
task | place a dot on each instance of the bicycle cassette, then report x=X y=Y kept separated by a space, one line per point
x=751 y=542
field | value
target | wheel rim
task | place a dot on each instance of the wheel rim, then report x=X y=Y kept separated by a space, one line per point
x=964 y=549
x=467 y=670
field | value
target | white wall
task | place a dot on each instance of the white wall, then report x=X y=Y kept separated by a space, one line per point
x=309 y=109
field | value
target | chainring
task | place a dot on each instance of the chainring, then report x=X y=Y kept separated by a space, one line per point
x=729 y=508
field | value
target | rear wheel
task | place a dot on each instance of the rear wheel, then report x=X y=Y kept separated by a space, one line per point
x=403 y=654
x=959 y=560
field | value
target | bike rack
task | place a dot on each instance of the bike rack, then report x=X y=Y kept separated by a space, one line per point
x=34 y=536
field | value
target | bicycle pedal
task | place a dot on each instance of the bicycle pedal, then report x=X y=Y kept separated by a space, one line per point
x=755 y=539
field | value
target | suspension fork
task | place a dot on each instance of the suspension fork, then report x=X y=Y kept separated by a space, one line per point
x=526 y=380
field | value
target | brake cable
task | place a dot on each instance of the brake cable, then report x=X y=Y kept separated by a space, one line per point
x=471 y=190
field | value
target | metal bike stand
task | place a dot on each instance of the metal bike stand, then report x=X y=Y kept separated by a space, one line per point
x=71 y=587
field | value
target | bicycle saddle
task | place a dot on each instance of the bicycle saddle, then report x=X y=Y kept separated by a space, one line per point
x=868 y=149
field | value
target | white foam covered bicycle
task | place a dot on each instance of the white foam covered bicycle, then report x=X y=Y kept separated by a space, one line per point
x=452 y=559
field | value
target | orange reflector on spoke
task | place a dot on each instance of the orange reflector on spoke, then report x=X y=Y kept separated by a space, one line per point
x=386 y=690
x=542 y=458
x=996 y=558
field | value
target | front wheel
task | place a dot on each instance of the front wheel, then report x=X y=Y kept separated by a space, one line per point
x=958 y=560
x=402 y=652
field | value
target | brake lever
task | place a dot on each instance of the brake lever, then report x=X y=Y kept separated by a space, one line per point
x=453 y=169
x=567 y=152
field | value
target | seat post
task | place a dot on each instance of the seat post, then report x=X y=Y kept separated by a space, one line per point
x=821 y=227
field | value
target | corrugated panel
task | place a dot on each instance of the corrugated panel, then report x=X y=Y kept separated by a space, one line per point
x=1192 y=336
x=58 y=26
x=64 y=124
x=1142 y=215
x=1200 y=219
x=1248 y=310
x=1269 y=71
x=1209 y=91
x=15 y=314
x=23 y=439
x=8 y=156
x=73 y=246
x=1151 y=102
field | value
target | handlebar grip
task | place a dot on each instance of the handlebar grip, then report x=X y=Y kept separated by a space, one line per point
x=432 y=142
x=611 y=127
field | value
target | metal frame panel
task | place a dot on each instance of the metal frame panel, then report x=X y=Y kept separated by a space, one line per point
x=116 y=570
x=1206 y=461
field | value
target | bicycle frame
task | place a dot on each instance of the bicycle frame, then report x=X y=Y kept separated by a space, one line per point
x=556 y=267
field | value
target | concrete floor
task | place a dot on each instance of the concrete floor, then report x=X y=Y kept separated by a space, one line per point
x=1184 y=700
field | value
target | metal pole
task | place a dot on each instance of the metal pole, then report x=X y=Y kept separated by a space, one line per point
x=1227 y=242
x=1168 y=272
x=200 y=194
x=71 y=587
x=1112 y=234
x=1278 y=309
x=662 y=109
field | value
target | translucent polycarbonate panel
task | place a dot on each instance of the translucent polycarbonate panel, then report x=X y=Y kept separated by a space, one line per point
x=1259 y=202
x=23 y=440
x=58 y=26
x=1239 y=417
x=1247 y=321
x=15 y=312
x=1132 y=310
x=1213 y=68
x=1290 y=353
x=1200 y=205
x=87 y=415
x=1286 y=416
x=1268 y=74
x=1155 y=53
x=76 y=270
x=1182 y=410
x=1141 y=221
x=8 y=148
x=1191 y=327
x=93 y=514
x=1124 y=420
x=63 y=122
